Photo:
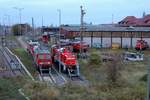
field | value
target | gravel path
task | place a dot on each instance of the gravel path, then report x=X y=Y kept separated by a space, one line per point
x=22 y=43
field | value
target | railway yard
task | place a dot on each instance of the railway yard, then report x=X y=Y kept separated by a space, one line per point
x=74 y=50
x=101 y=76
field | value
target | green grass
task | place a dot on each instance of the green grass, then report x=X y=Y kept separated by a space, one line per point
x=26 y=59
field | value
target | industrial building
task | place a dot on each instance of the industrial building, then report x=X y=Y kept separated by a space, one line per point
x=107 y=34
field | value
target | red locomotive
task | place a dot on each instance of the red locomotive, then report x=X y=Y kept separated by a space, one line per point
x=141 y=45
x=67 y=60
x=42 y=58
x=45 y=38
x=78 y=46
x=30 y=46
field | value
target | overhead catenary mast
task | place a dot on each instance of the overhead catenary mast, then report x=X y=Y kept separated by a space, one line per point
x=20 y=18
x=112 y=19
x=59 y=19
x=42 y=21
x=33 y=31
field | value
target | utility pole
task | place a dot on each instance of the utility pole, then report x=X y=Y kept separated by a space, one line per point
x=33 y=27
x=148 y=81
x=20 y=15
x=42 y=21
x=59 y=18
x=81 y=27
x=8 y=25
x=4 y=35
x=112 y=19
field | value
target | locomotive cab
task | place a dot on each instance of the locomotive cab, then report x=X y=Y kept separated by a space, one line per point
x=67 y=60
x=42 y=59
x=45 y=38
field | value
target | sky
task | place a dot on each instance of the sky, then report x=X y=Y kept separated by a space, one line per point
x=97 y=11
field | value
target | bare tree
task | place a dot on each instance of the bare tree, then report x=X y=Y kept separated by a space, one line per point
x=113 y=68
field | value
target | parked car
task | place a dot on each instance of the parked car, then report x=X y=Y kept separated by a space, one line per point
x=129 y=56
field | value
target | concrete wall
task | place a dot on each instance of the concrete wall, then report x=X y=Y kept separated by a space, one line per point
x=106 y=42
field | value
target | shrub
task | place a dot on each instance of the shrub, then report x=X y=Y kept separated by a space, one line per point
x=95 y=59
x=144 y=78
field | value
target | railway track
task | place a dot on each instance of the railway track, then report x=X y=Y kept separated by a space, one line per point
x=11 y=62
x=57 y=77
x=53 y=77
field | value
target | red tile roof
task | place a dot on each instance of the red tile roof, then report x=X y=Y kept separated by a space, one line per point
x=132 y=20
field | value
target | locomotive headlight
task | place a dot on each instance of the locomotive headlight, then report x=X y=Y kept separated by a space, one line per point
x=49 y=63
x=41 y=63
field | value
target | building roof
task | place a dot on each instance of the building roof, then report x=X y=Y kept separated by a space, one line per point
x=106 y=28
x=132 y=20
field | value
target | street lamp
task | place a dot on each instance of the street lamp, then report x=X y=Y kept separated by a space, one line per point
x=59 y=18
x=20 y=13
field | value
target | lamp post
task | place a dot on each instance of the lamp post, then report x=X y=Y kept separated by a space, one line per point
x=20 y=15
x=59 y=18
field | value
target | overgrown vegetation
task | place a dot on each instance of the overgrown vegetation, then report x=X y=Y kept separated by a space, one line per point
x=9 y=88
x=40 y=91
x=126 y=76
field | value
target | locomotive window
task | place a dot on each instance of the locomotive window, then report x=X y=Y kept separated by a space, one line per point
x=41 y=57
x=131 y=55
x=47 y=56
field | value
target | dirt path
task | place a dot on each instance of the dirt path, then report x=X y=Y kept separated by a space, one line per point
x=22 y=43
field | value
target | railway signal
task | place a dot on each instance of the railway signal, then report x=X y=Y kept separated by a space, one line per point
x=81 y=27
x=59 y=11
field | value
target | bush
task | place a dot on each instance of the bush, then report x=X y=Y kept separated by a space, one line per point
x=95 y=59
x=144 y=78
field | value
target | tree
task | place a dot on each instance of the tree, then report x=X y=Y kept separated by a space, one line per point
x=113 y=68
x=20 y=29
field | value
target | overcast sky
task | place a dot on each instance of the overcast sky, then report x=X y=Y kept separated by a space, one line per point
x=97 y=11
